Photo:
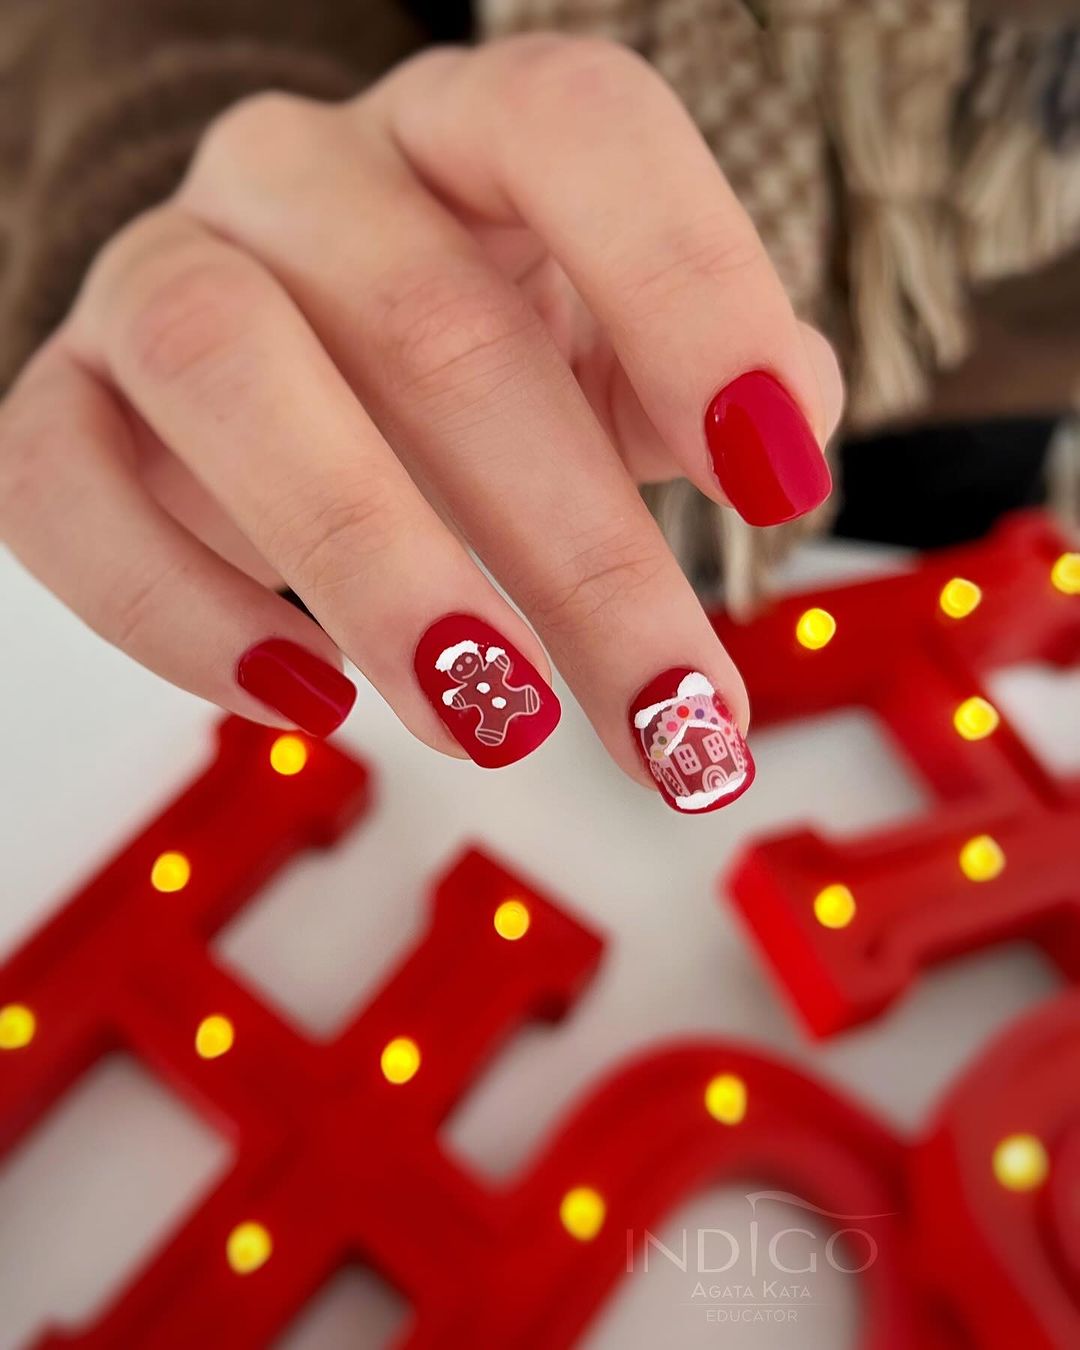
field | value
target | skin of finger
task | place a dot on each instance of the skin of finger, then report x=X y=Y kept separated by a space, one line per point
x=644 y=451
x=500 y=427
x=172 y=484
x=214 y=356
x=75 y=514
x=565 y=134
x=826 y=368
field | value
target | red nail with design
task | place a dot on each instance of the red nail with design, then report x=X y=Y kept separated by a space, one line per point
x=687 y=736
x=494 y=702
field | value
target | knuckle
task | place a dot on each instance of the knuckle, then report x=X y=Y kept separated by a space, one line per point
x=596 y=579
x=327 y=544
x=187 y=315
x=703 y=255
x=136 y=605
x=271 y=121
x=442 y=333
x=577 y=73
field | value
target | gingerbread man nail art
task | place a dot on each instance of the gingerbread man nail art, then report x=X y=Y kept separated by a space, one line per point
x=483 y=683
x=493 y=701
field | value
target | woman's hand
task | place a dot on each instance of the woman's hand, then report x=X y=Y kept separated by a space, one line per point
x=467 y=309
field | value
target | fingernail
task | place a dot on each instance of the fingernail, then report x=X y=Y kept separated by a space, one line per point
x=297 y=684
x=764 y=455
x=494 y=702
x=689 y=740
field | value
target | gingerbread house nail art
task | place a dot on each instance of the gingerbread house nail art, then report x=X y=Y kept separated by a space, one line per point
x=690 y=742
x=493 y=701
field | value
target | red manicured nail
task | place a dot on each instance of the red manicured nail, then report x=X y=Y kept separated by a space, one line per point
x=297 y=684
x=494 y=703
x=764 y=454
x=690 y=742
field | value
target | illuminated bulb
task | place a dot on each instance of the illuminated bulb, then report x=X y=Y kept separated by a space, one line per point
x=249 y=1246
x=170 y=872
x=214 y=1037
x=834 y=907
x=512 y=920
x=582 y=1212
x=975 y=719
x=400 y=1060
x=17 y=1026
x=959 y=598
x=725 y=1098
x=815 y=629
x=288 y=755
x=1065 y=574
x=1021 y=1162
x=982 y=859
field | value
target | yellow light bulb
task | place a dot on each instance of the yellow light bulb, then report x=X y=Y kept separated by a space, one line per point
x=982 y=858
x=512 y=920
x=725 y=1098
x=582 y=1212
x=959 y=598
x=288 y=755
x=400 y=1060
x=834 y=907
x=815 y=629
x=249 y=1247
x=976 y=719
x=214 y=1037
x=1065 y=574
x=1021 y=1162
x=170 y=872
x=17 y=1026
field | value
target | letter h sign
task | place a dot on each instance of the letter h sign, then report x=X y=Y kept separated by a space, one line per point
x=338 y=1156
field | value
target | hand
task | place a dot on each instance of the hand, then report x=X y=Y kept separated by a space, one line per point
x=469 y=308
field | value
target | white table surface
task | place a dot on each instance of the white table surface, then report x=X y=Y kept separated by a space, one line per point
x=91 y=746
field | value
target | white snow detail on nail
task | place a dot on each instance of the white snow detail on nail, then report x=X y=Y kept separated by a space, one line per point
x=447 y=657
x=689 y=686
x=698 y=801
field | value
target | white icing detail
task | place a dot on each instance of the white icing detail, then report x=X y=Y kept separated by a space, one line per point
x=448 y=695
x=689 y=686
x=698 y=801
x=447 y=657
x=492 y=654
x=498 y=703
x=483 y=687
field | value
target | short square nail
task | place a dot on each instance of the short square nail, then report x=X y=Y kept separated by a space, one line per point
x=494 y=702
x=296 y=683
x=688 y=739
x=764 y=454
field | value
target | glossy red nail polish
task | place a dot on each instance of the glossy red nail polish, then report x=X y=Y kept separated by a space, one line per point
x=686 y=735
x=494 y=703
x=297 y=684
x=764 y=455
